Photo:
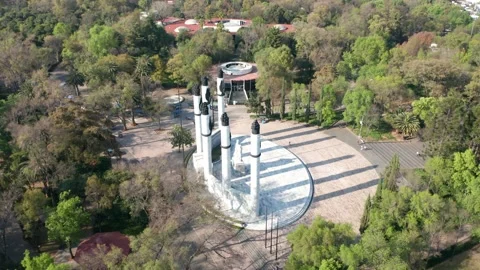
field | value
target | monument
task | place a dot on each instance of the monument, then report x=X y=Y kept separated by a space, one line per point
x=226 y=151
x=207 y=143
x=197 y=114
x=243 y=187
x=255 y=165
x=220 y=94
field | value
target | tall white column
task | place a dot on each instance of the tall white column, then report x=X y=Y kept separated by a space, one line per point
x=255 y=166
x=226 y=151
x=196 y=111
x=206 y=97
x=220 y=94
x=204 y=88
x=207 y=143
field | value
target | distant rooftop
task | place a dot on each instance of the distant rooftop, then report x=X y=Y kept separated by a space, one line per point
x=176 y=25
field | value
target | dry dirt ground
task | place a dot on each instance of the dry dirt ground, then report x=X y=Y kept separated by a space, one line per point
x=468 y=260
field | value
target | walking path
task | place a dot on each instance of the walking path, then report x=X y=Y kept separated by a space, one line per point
x=380 y=153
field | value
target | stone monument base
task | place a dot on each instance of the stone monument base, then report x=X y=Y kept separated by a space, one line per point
x=197 y=159
x=286 y=187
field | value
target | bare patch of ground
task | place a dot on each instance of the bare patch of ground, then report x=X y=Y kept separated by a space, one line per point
x=468 y=260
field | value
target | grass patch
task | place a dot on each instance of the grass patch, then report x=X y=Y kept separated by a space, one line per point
x=300 y=118
x=119 y=219
x=381 y=133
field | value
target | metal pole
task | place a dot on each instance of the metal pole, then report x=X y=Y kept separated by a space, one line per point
x=266 y=222
x=276 y=244
x=361 y=126
x=271 y=235
x=181 y=122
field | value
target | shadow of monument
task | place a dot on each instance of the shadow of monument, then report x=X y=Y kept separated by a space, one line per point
x=343 y=174
x=333 y=194
x=293 y=135
x=284 y=130
x=328 y=161
x=310 y=142
x=321 y=180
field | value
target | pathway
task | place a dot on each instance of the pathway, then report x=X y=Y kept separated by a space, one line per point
x=380 y=153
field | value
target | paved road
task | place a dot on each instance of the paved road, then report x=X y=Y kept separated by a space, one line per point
x=380 y=153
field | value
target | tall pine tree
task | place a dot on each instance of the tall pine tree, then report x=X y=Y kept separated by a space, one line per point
x=378 y=193
x=391 y=173
x=366 y=212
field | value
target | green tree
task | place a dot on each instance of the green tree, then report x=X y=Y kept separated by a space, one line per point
x=389 y=92
x=296 y=99
x=79 y=136
x=184 y=69
x=434 y=77
x=156 y=109
x=144 y=37
x=438 y=177
x=391 y=173
x=180 y=136
x=75 y=79
x=254 y=104
x=273 y=38
x=367 y=51
x=365 y=216
x=274 y=65
x=144 y=4
x=306 y=101
x=465 y=178
x=328 y=113
x=318 y=244
x=448 y=122
x=30 y=211
x=43 y=261
x=62 y=30
x=153 y=249
x=99 y=194
x=142 y=71
x=325 y=110
x=424 y=108
x=127 y=94
x=102 y=40
x=406 y=123
x=357 y=103
x=159 y=73
x=66 y=222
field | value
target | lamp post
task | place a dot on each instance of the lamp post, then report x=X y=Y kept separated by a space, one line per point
x=266 y=222
x=179 y=106
x=361 y=126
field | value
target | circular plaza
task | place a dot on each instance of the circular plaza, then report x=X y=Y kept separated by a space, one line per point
x=286 y=188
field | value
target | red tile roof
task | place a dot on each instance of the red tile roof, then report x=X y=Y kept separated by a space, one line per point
x=107 y=239
x=173 y=23
x=253 y=75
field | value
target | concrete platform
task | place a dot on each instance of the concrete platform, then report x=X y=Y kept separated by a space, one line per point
x=286 y=187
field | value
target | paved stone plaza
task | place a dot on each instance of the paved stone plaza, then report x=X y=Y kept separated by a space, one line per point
x=342 y=177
